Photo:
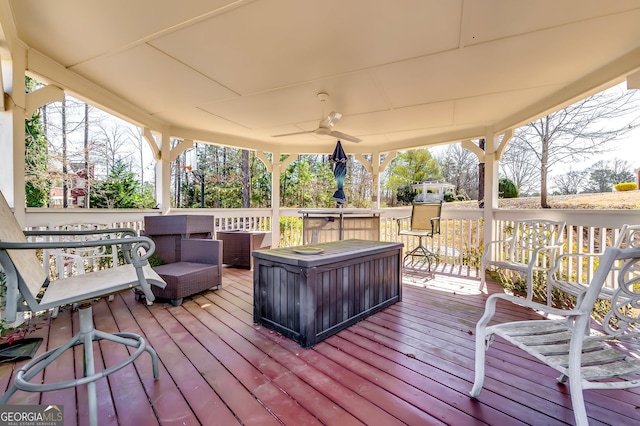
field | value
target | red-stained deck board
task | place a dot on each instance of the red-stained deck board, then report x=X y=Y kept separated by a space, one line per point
x=430 y=352
x=251 y=377
x=305 y=370
x=129 y=397
x=236 y=396
x=507 y=358
x=436 y=399
x=412 y=363
x=106 y=408
x=373 y=391
x=204 y=402
x=274 y=368
x=11 y=369
x=170 y=407
x=176 y=375
x=238 y=294
x=61 y=370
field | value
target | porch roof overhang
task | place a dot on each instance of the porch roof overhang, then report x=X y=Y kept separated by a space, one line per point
x=404 y=75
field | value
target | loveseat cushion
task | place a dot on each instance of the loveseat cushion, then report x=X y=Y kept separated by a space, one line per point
x=186 y=278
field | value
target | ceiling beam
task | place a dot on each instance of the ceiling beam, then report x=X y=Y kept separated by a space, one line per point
x=633 y=81
x=55 y=74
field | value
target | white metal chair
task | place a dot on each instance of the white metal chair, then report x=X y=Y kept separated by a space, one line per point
x=533 y=246
x=28 y=289
x=78 y=260
x=603 y=357
x=571 y=271
x=425 y=222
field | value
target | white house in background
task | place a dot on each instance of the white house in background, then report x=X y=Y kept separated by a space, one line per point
x=432 y=190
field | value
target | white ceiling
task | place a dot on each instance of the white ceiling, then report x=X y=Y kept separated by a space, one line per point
x=404 y=73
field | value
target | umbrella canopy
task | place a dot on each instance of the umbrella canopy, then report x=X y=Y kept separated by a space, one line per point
x=339 y=161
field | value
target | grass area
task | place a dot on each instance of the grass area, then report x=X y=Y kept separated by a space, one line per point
x=628 y=200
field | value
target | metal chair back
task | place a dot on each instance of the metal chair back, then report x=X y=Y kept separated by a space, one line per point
x=423 y=217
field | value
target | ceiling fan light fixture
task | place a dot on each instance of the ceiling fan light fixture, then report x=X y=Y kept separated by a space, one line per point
x=325 y=127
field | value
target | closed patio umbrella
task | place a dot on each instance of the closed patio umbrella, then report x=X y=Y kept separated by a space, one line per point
x=339 y=161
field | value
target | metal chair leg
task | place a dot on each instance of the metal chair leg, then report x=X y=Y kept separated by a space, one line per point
x=422 y=251
x=87 y=335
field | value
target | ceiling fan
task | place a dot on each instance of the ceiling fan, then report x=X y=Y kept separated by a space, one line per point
x=325 y=128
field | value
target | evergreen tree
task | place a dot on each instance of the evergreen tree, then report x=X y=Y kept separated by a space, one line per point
x=37 y=184
x=507 y=189
x=121 y=189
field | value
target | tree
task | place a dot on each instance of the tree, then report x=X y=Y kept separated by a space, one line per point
x=37 y=184
x=519 y=166
x=621 y=171
x=246 y=179
x=570 y=182
x=405 y=194
x=296 y=183
x=604 y=175
x=410 y=167
x=358 y=184
x=260 y=194
x=121 y=189
x=112 y=140
x=507 y=189
x=141 y=146
x=577 y=131
x=460 y=167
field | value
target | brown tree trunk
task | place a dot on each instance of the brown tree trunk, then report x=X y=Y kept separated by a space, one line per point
x=482 y=145
x=544 y=164
x=246 y=179
x=65 y=188
x=87 y=176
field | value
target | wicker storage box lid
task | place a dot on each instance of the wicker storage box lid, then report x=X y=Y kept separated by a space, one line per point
x=182 y=224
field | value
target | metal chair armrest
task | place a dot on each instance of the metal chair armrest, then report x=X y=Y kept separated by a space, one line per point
x=84 y=232
x=435 y=225
x=487 y=247
x=130 y=245
x=398 y=222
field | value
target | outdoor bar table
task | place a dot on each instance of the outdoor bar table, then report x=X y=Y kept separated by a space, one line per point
x=308 y=293
x=324 y=225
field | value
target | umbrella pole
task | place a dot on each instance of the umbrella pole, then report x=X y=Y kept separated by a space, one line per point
x=341 y=223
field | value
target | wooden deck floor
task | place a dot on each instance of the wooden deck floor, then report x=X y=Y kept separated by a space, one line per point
x=409 y=364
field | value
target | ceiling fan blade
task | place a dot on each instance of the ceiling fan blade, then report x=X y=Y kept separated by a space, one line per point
x=344 y=136
x=293 y=134
x=330 y=120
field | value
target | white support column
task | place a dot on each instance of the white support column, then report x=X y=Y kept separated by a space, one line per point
x=375 y=180
x=490 y=183
x=12 y=160
x=163 y=174
x=275 y=166
x=275 y=199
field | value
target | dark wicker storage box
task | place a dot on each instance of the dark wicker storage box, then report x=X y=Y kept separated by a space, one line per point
x=183 y=224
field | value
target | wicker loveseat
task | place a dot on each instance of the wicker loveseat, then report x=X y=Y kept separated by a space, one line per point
x=191 y=259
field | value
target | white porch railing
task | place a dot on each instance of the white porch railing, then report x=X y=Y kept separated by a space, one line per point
x=587 y=231
x=459 y=243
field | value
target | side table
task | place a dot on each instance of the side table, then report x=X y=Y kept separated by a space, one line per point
x=237 y=246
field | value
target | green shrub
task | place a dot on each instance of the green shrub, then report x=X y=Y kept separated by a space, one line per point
x=507 y=189
x=405 y=194
x=449 y=196
x=626 y=186
x=461 y=198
